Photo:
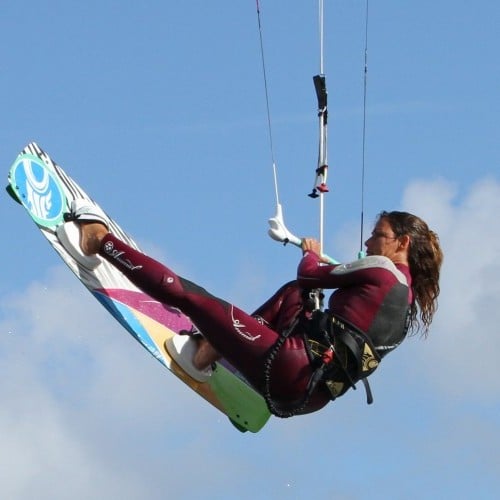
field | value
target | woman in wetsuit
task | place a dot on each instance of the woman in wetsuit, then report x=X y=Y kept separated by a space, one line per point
x=375 y=296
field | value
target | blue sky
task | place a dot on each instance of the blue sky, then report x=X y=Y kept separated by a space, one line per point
x=158 y=110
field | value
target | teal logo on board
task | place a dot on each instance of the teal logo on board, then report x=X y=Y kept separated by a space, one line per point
x=39 y=190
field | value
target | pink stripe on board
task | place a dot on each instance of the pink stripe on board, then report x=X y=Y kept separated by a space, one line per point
x=162 y=313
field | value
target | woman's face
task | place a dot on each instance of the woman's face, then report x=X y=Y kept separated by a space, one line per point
x=383 y=241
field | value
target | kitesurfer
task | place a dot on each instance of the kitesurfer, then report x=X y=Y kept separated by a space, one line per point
x=375 y=301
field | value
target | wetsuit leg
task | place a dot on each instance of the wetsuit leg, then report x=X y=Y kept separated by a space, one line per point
x=237 y=336
x=280 y=311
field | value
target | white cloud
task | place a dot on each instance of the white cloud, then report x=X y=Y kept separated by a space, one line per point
x=81 y=400
x=461 y=352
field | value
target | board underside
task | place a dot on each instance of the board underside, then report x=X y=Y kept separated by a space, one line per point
x=46 y=192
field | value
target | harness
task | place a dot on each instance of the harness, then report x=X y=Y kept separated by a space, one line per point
x=341 y=355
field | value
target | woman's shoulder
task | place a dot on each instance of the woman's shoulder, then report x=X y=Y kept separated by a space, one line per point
x=373 y=262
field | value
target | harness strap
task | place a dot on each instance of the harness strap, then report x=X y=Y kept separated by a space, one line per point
x=368 y=390
x=353 y=353
x=368 y=362
x=344 y=343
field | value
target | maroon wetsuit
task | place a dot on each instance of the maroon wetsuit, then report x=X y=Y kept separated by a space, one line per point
x=372 y=294
x=243 y=339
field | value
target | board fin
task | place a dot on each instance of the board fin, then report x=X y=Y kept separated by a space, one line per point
x=237 y=425
x=12 y=194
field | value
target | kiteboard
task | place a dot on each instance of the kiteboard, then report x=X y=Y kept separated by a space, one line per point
x=46 y=192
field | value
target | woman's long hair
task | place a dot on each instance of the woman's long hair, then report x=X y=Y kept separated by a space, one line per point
x=424 y=257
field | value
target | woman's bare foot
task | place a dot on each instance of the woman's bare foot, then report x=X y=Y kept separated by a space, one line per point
x=91 y=235
x=205 y=356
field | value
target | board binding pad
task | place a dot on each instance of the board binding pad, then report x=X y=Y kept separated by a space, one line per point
x=46 y=192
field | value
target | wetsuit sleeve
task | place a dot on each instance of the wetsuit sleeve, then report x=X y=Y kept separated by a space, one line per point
x=312 y=273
